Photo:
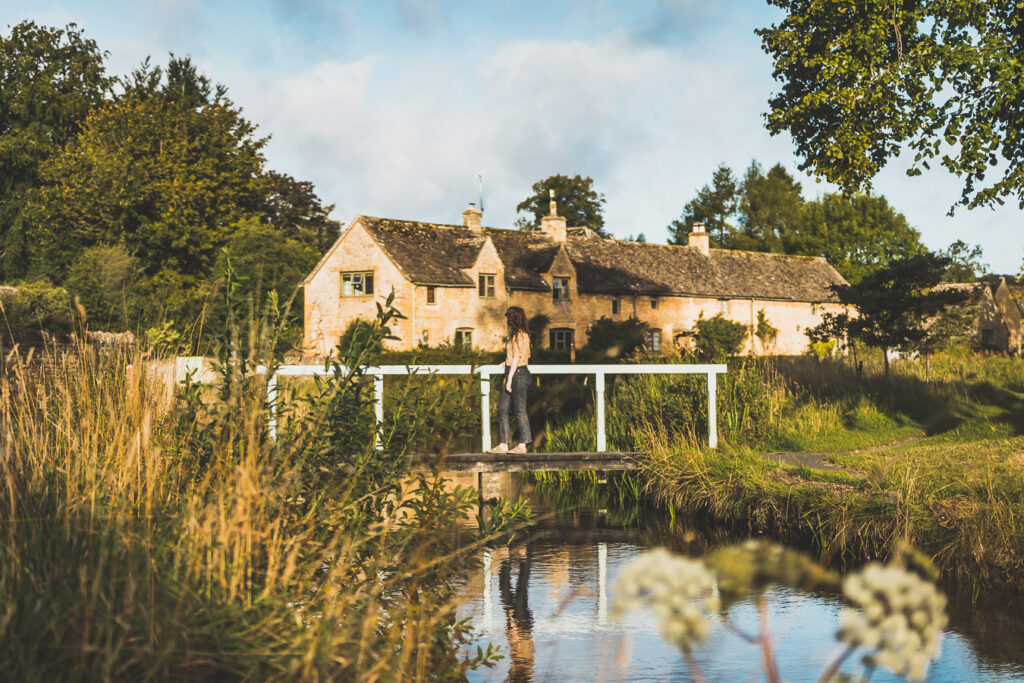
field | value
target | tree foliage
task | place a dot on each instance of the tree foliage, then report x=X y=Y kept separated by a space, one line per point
x=863 y=81
x=50 y=79
x=893 y=305
x=577 y=200
x=766 y=212
x=718 y=338
x=857 y=234
x=714 y=206
x=128 y=190
x=616 y=338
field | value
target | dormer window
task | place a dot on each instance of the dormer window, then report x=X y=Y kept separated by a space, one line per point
x=486 y=285
x=560 y=289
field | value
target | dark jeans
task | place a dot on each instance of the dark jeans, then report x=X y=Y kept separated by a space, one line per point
x=516 y=401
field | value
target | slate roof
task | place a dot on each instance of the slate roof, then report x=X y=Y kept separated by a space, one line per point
x=434 y=253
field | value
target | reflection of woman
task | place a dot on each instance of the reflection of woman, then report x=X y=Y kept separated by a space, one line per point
x=516 y=382
x=518 y=619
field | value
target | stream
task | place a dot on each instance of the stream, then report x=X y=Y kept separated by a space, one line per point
x=546 y=601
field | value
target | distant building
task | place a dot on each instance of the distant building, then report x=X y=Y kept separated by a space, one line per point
x=454 y=282
x=998 y=325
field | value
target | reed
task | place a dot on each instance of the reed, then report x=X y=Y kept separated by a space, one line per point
x=157 y=533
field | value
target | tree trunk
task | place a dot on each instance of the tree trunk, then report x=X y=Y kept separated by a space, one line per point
x=885 y=356
x=927 y=367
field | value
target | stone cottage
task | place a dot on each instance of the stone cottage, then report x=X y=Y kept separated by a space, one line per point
x=454 y=282
x=998 y=323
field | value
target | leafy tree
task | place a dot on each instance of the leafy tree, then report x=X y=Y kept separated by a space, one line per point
x=616 y=338
x=269 y=269
x=965 y=262
x=856 y=234
x=164 y=171
x=953 y=325
x=102 y=277
x=293 y=208
x=714 y=206
x=860 y=82
x=718 y=338
x=50 y=79
x=769 y=209
x=894 y=305
x=577 y=200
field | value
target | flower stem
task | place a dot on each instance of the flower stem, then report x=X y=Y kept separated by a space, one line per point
x=770 y=669
x=826 y=675
x=695 y=673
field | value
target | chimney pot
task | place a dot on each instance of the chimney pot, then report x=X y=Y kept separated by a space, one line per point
x=472 y=217
x=553 y=225
x=700 y=240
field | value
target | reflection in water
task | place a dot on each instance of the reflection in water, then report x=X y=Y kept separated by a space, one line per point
x=518 y=619
x=553 y=593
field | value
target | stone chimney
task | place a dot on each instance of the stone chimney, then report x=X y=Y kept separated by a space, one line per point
x=699 y=239
x=471 y=217
x=553 y=225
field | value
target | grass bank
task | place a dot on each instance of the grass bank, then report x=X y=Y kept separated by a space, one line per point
x=953 y=485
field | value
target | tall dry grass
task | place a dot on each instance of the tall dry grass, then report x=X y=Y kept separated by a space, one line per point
x=156 y=533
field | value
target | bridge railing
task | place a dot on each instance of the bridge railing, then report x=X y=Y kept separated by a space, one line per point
x=485 y=373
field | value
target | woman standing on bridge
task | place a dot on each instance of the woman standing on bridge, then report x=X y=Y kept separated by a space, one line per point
x=515 y=382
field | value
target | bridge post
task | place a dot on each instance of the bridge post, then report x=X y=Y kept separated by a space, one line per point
x=378 y=409
x=712 y=410
x=272 y=405
x=599 y=388
x=485 y=409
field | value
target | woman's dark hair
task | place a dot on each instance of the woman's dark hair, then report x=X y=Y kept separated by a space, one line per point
x=516 y=318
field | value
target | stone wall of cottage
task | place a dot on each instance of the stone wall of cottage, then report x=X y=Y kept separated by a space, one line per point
x=327 y=314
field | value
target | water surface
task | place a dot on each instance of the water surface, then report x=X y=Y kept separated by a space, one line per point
x=546 y=600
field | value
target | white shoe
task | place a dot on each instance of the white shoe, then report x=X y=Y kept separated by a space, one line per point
x=500 y=448
x=521 y=448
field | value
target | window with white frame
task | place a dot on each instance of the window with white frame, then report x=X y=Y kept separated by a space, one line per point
x=357 y=283
x=486 y=285
x=723 y=306
x=464 y=337
x=561 y=338
x=560 y=289
x=654 y=340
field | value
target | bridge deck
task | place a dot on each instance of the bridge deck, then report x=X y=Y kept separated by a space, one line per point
x=533 y=462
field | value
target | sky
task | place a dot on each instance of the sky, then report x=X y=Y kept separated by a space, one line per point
x=395 y=107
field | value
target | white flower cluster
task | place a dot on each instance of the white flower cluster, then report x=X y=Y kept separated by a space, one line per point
x=900 y=619
x=680 y=592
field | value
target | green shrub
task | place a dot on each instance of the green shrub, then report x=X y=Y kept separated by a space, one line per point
x=616 y=338
x=718 y=338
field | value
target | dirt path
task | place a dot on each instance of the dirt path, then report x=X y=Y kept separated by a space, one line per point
x=819 y=460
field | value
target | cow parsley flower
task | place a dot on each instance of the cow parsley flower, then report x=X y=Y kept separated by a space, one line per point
x=679 y=591
x=900 y=619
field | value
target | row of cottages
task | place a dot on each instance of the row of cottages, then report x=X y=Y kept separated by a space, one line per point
x=998 y=326
x=453 y=283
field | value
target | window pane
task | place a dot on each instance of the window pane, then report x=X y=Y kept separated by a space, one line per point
x=481 y=287
x=654 y=302
x=346 y=284
x=615 y=305
x=431 y=295
x=368 y=283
